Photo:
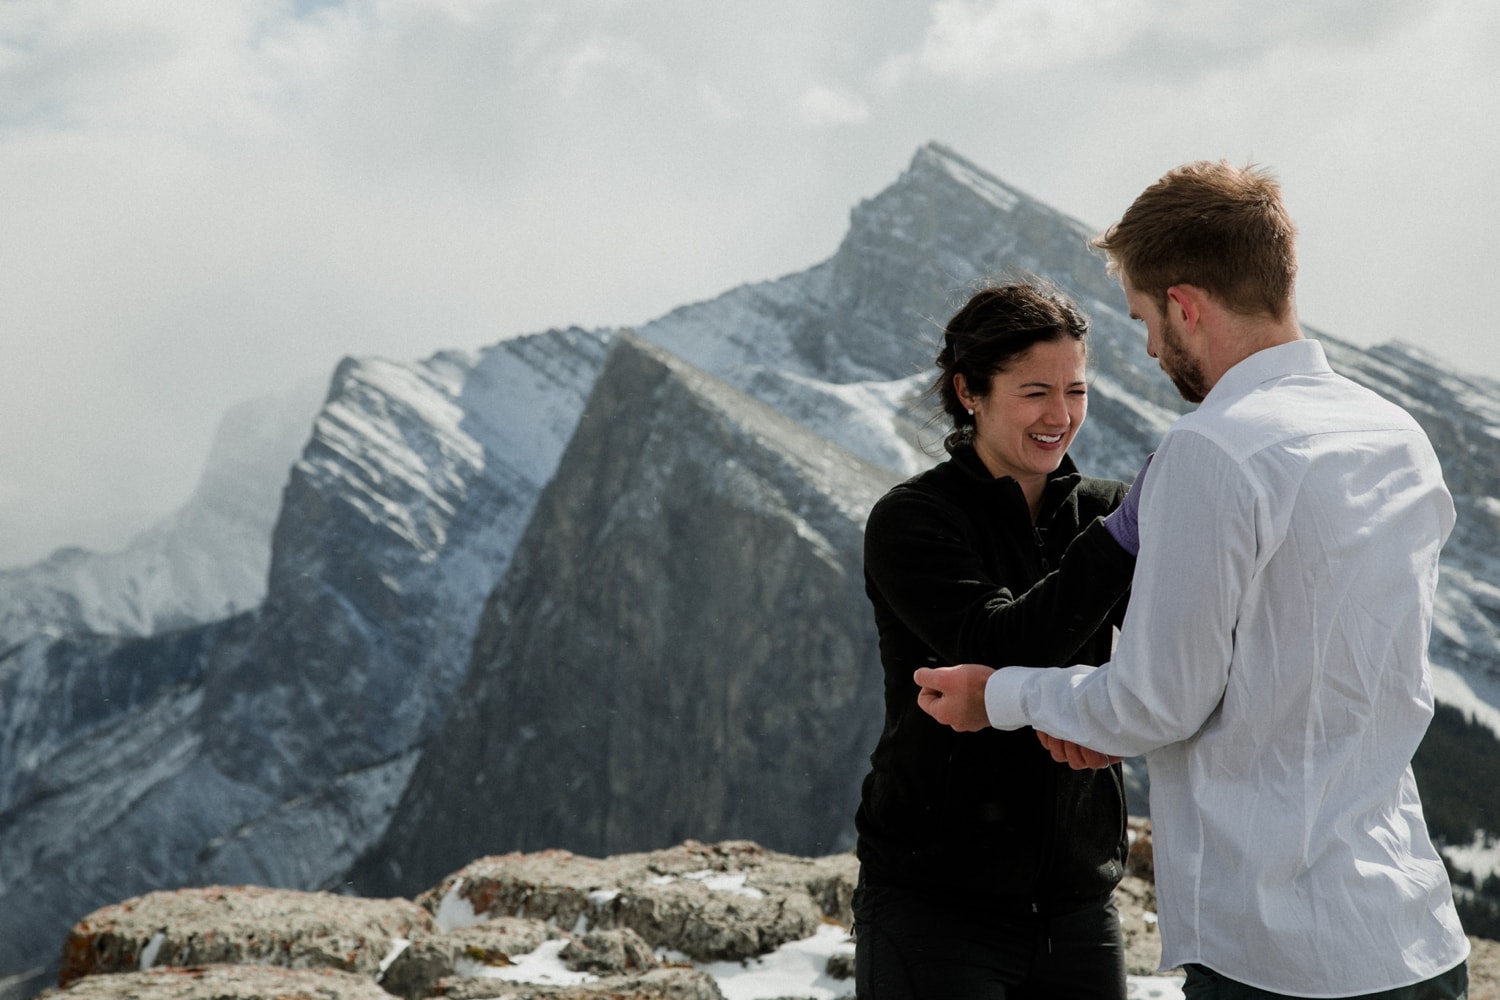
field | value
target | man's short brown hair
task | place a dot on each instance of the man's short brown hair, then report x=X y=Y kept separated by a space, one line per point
x=1213 y=225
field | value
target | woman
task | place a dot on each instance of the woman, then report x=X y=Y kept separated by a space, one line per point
x=986 y=867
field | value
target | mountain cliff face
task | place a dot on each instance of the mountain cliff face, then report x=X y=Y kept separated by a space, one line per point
x=671 y=653
x=270 y=748
x=527 y=598
x=400 y=517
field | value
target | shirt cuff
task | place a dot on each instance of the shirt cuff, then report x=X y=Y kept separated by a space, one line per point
x=1002 y=698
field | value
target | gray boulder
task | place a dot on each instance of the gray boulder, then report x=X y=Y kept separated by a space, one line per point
x=616 y=951
x=223 y=982
x=241 y=926
x=658 y=984
x=722 y=902
x=432 y=958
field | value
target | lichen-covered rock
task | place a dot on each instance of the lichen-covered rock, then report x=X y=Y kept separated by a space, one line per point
x=1484 y=968
x=658 y=984
x=244 y=925
x=609 y=952
x=262 y=944
x=828 y=881
x=1140 y=859
x=431 y=957
x=1135 y=898
x=222 y=982
x=720 y=902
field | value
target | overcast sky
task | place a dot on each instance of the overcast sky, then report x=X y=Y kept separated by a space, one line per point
x=204 y=202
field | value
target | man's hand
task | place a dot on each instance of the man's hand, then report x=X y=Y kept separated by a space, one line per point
x=955 y=695
x=1079 y=758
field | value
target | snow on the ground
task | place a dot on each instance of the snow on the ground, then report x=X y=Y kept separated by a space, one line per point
x=796 y=969
x=1153 y=988
x=541 y=966
x=1480 y=858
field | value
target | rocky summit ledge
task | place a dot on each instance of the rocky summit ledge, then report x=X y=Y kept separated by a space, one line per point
x=628 y=927
x=632 y=926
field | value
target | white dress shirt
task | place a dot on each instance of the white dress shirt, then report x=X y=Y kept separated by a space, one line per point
x=1273 y=668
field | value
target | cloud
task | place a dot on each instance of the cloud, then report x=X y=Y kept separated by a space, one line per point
x=602 y=58
x=832 y=106
x=206 y=202
x=976 y=40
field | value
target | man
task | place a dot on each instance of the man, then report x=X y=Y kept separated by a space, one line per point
x=1272 y=664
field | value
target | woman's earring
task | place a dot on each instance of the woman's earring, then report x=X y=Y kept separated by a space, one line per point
x=971 y=411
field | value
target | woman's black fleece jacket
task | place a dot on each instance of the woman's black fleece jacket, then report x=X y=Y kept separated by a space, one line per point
x=957 y=573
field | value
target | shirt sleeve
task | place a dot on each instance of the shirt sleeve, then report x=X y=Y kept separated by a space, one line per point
x=1199 y=517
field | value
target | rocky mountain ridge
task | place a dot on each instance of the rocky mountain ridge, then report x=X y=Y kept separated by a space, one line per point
x=559 y=733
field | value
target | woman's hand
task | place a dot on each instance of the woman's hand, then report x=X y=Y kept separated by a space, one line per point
x=1079 y=758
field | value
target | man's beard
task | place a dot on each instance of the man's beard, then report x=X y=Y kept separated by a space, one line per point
x=1186 y=373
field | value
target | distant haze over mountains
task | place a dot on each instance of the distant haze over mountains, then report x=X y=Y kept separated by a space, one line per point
x=589 y=589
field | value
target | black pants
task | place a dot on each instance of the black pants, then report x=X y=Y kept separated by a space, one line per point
x=1204 y=983
x=909 y=946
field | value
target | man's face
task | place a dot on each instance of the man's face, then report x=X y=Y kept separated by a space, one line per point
x=1166 y=341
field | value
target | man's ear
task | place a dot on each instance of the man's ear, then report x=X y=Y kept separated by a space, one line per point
x=1188 y=303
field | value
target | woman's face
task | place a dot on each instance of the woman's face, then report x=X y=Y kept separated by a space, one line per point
x=1034 y=408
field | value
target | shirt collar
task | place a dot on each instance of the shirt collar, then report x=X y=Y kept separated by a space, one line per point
x=1297 y=357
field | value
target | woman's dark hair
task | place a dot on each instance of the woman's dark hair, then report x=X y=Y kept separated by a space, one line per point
x=998 y=324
